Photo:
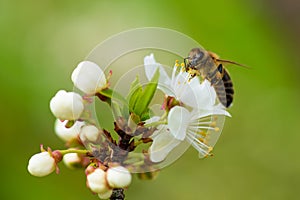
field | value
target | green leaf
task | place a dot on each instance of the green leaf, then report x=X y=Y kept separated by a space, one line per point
x=134 y=93
x=135 y=84
x=145 y=97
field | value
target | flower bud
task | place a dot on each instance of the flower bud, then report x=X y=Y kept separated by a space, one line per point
x=118 y=177
x=90 y=133
x=41 y=164
x=72 y=160
x=67 y=134
x=105 y=195
x=66 y=105
x=96 y=181
x=89 y=77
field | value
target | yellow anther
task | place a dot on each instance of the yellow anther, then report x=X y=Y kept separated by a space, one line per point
x=182 y=65
x=176 y=64
x=213 y=124
x=201 y=140
x=217 y=128
x=176 y=61
x=202 y=133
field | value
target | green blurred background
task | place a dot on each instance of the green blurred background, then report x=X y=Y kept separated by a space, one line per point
x=257 y=155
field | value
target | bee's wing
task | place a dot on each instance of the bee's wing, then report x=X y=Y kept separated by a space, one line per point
x=231 y=62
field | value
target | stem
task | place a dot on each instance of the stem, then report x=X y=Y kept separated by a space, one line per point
x=136 y=159
x=155 y=123
x=164 y=116
x=80 y=151
x=118 y=194
x=111 y=94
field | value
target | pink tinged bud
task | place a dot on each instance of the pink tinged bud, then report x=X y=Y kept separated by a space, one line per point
x=67 y=134
x=96 y=181
x=105 y=195
x=57 y=156
x=41 y=164
x=89 y=169
x=89 y=133
x=89 y=77
x=118 y=177
x=66 y=105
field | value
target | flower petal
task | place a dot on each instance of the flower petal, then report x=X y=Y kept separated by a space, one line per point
x=96 y=181
x=66 y=105
x=88 y=77
x=67 y=134
x=215 y=110
x=150 y=68
x=41 y=164
x=163 y=143
x=178 y=121
x=118 y=177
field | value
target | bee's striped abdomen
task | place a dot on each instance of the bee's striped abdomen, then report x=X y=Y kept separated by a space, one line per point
x=224 y=87
x=228 y=88
x=220 y=91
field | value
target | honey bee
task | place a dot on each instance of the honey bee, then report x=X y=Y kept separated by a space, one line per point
x=208 y=65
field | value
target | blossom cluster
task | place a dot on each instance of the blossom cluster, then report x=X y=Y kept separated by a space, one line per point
x=190 y=115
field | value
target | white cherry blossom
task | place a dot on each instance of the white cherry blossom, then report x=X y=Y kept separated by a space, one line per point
x=66 y=105
x=67 y=134
x=118 y=177
x=89 y=77
x=41 y=164
x=96 y=181
x=188 y=91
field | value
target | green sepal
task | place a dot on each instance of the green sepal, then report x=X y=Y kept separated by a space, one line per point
x=146 y=114
x=135 y=118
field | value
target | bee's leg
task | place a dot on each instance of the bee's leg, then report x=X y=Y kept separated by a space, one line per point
x=214 y=76
x=185 y=64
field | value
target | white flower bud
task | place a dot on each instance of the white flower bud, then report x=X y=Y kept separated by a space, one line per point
x=71 y=160
x=41 y=164
x=90 y=133
x=67 y=134
x=96 y=181
x=105 y=195
x=89 y=77
x=118 y=177
x=66 y=105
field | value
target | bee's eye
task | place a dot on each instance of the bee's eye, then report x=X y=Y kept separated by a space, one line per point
x=200 y=55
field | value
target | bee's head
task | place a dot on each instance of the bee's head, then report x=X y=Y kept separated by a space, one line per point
x=195 y=57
